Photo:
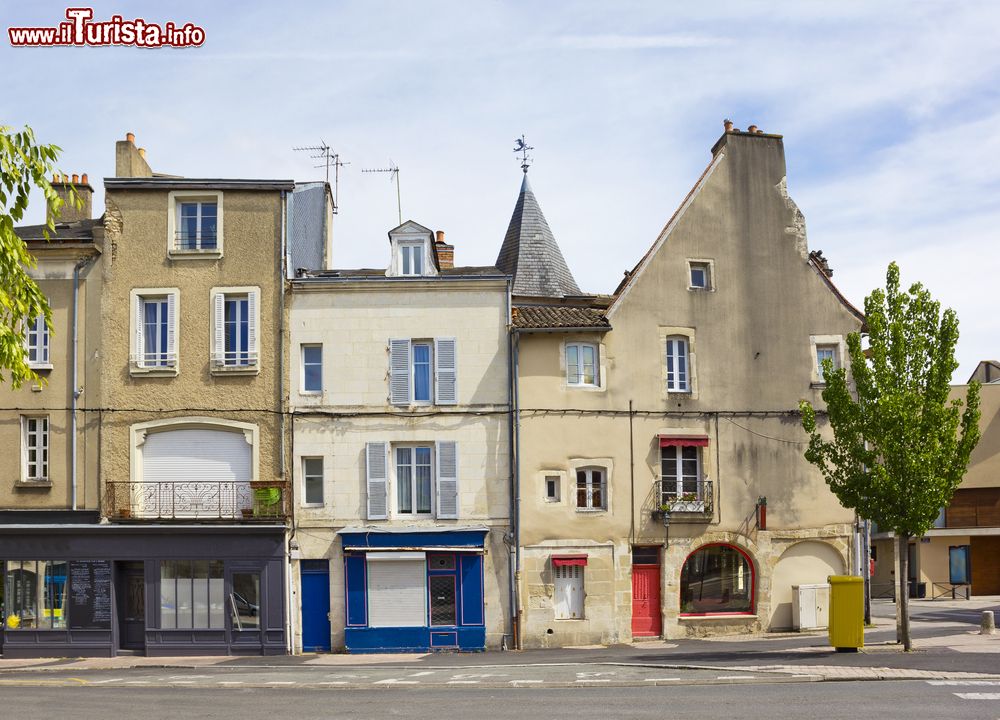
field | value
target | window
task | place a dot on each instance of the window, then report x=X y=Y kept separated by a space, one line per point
x=154 y=323
x=312 y=480
x=36 y=343
x=312 y=368
x=591 y=489
x=35 y=592
x=678 y=371
x=423 y=371
x=699 y=275
x=680 y=474
x=444 y=606
x=236 y=321
x=552 y=488
x=827 y=352
x=197 y=225
x=411 y=258
x=581 y=364
x=192 y=594
x=35 y=449
x=717 y=579
x=567 y=596
x=825 y=347
x=413 y=480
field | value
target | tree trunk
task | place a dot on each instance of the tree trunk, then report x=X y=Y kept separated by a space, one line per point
x=903 y=630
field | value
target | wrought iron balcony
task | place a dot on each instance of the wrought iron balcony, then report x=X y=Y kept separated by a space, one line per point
x=689 y=499
x=196 y=500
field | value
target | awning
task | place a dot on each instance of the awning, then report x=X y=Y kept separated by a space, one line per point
x=559 y=560
x=683 y=440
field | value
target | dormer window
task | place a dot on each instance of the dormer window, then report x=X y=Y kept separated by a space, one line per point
x=411 y=258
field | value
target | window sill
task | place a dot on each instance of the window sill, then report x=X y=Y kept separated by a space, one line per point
x=194 y=254
x=694 y=288
x=136 y=371
x=312 y=506
x=311 y=393
x=591 y=511
x=37 y=367
x=236 y=370
x=817 y=385
x=32 y=484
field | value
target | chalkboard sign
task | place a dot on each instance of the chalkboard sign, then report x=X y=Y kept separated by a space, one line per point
x=90 y=594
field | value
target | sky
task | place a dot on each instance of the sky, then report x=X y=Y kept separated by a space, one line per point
x=890 y=113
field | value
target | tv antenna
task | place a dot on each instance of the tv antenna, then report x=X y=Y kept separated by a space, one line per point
x=521 y=146
x=330 y=159
x=393 y=171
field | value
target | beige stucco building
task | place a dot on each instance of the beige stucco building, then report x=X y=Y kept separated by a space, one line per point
x=674 y=401
x=400 y=424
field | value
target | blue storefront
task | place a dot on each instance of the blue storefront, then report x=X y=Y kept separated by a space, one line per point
x=414 y=589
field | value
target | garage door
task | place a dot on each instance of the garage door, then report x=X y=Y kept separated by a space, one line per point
x=986 y=565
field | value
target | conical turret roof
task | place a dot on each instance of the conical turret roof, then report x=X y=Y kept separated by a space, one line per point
x=530 y=252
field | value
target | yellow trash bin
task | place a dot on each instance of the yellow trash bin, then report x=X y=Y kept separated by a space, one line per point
x=847 y=612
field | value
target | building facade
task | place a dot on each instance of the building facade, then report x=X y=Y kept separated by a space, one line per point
x=400 y=425
x=659 y=453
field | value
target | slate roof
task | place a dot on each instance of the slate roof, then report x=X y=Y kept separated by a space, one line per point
x=554 y=317
x=530 y=252
x=66 y=232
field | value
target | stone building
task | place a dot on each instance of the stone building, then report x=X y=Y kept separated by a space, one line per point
x=400 y=441
x=659 y=467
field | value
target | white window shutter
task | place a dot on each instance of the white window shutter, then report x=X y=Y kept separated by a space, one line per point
x=171 y=329
x=252 y=326
x=445 y=371
x=399 y=371
x=220 y=329
x=447 y=479
x=376 y=460
x=139 y=323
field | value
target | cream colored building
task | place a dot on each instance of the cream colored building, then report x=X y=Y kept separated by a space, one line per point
x=659 y=451
x=400 y=425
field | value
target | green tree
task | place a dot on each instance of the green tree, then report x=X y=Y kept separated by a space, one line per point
x=24 y=164
x=900 y=447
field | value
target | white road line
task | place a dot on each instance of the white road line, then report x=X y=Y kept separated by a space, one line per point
x=280 y=682
x=190 y=677
x=594 y=680
x=978 y=696
x=463 y=682
x=333 y=682
x=521 y=682
x=394 y=681
x=104 y=682
x=963 y=682
x=137 y=682
x=659 y=679
x=182 y=682
x=421 y=674
x=229 y=682
x=735 y=677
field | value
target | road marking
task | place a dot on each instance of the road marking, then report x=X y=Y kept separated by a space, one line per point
x=190 y=677
x=735 y=677
x=137 y=682
x=463 y=682
x=394 y=681
x=522 y=682
x=182 y=682
x=594 y=680
x=421 y=674
x=469 y=676
x=963 y=682
x=280 y=682
x=104 y=682
x=333 y=682
x=593 y=674
x=229 y=682
x=659 y=679
x=978 y=696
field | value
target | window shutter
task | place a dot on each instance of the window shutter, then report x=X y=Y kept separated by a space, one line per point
x=220 y=329
x=252 y=326
x=447 y=479
x=399 y=372
x=376 y=470
x=139 y=321
x=171 y=330
x=445 y=371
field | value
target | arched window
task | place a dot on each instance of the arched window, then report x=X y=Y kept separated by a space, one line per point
x=717 y=579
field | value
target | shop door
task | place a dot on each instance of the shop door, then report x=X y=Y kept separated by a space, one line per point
x=315 y=605
x=246 y=608
x=131 y=593
x=646 y=618
x=986 y=565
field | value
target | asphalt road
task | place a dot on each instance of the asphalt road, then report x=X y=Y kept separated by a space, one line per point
x=903 y=699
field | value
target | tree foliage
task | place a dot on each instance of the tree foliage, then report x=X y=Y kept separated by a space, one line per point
x=900 y=447
x=24 y=164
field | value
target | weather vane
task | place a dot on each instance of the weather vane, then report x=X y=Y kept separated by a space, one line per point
x=523 y=148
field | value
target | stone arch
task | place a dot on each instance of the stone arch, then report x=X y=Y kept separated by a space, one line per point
x=809 y=561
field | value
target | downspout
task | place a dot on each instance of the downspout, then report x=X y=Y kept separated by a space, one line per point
x=515 y=426
x=631 y=474
x=76 y=376
x=283 y=252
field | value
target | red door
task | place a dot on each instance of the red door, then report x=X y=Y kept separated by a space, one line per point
x=646 y=601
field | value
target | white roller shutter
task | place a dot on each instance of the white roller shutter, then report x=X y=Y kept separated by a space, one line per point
x=189 y=466
x=397 y=590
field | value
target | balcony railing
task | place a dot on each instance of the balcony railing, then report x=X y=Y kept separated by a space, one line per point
x=196 y=500
x=692 y=498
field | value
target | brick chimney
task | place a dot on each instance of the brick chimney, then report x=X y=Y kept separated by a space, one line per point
x=62 y=184
x=445 y=253
x=130 y=161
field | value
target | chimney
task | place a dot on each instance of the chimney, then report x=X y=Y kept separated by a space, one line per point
x=445 y=253
x=62 y=184
x=728 y=125
x=130 y=161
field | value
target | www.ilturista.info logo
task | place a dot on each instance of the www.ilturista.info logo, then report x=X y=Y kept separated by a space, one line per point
x=80 y=30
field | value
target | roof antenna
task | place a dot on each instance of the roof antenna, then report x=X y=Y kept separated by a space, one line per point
x=523 y=148
x=393 y=171
x=330 y=159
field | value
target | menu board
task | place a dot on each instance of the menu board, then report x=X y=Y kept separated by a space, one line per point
x=90 y=595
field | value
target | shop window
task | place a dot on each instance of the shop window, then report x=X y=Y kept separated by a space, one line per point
x=444 y=608
x=191 y=594
x=717 y=579
x=34 y=595
x=245 y=601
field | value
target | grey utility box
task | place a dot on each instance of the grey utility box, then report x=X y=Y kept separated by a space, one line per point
x=810 y=606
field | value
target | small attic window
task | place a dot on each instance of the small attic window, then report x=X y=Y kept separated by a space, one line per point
x=411 y=258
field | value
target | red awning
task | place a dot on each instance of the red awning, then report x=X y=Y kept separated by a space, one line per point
x=683 y=440
x=558 y=560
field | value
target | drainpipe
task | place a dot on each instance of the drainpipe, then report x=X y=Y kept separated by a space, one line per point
x=511 y=464
x=289 y=501
x=77 y=391
x=516 y=489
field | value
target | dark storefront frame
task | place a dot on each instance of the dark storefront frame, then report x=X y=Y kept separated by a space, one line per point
x=245 y=551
